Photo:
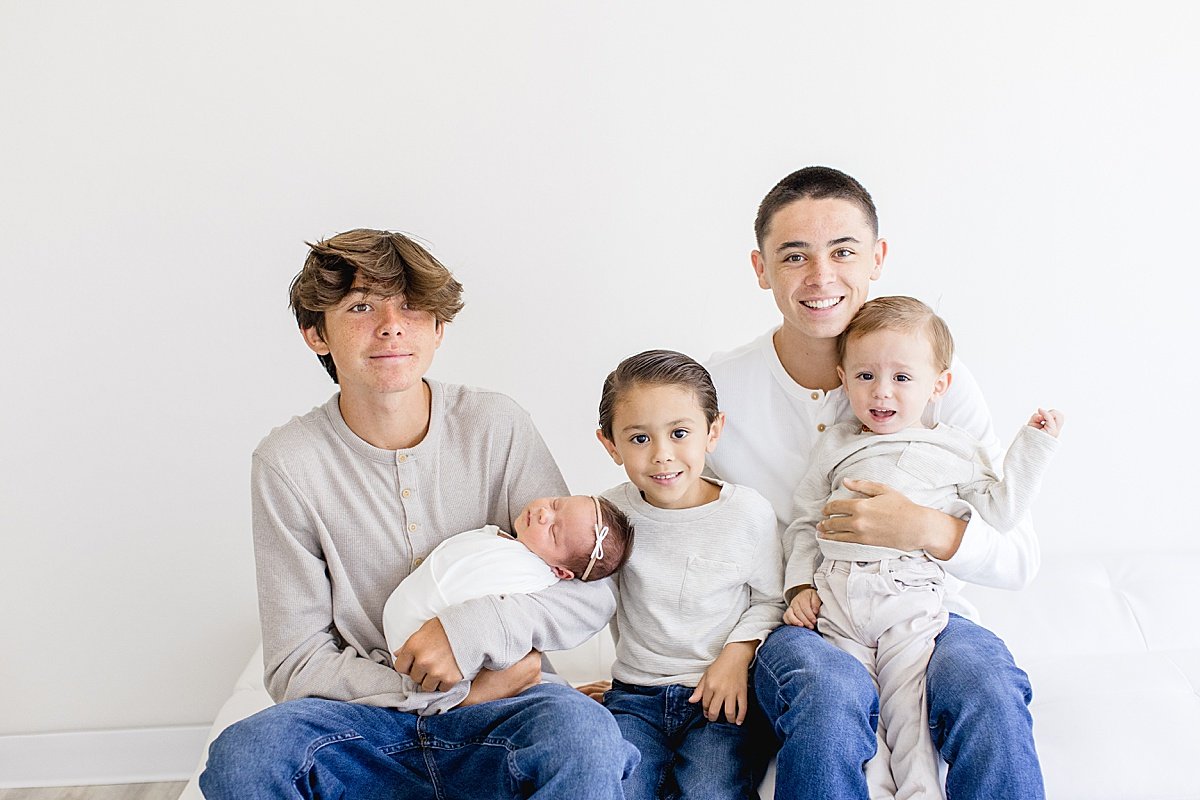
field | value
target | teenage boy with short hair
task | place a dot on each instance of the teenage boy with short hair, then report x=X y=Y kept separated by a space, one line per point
x=351 y=497
x=818 y=251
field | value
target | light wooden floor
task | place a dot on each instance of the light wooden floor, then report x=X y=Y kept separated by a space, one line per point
x=134 y=791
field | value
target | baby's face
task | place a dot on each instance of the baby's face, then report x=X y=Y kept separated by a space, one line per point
x=890 y=377
x=560 y=530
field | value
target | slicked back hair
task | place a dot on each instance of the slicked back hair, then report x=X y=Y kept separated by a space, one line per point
x=657 y=368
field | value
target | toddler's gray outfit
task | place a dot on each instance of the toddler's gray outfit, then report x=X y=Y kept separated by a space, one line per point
x=882 y=605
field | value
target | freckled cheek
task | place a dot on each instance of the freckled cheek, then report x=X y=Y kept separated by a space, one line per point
x=359 y=329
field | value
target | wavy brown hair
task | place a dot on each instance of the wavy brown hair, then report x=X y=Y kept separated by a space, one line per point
x=387 y=263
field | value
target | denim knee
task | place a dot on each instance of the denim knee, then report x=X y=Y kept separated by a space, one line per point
x=972 y=668
x=239 y=755
x=572 y=729
x=270 y=749
x=796 y=666
x=591 y=732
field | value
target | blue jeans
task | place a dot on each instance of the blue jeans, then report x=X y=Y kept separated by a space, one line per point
x=824 y=709
x=979 y=716
x=683 y=754
x=548 y=742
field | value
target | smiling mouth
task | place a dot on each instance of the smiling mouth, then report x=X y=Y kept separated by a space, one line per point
x=665 y=477
x=823 y=303
x=881 y=414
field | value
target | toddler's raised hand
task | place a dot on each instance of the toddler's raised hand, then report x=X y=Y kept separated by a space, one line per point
x=1049 y=421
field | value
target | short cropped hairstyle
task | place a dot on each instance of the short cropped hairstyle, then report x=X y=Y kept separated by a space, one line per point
x=816 y=183
x=388 y=263
x=617 y=545
x=904 y=314
x=656 y=368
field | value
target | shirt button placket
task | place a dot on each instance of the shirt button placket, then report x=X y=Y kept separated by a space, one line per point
x=409 y=508
x=820 y=398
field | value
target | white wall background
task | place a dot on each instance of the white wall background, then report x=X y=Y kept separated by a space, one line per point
x=591 y=173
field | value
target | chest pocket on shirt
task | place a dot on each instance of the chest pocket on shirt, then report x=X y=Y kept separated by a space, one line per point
x=934 y=466
x=705 y=590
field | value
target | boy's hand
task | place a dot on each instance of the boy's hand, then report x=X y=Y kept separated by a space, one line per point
x=802 y=611
x=1049 y=421
x=498 y=684
x=887 y=518
x=595 y=689
x=723 y=685
x=427 y=658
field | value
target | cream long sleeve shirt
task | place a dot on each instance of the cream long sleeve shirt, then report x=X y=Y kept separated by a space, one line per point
x=698 y=579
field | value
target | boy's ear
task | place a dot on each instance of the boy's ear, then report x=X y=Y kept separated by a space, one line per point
x=314 y=341
x=941 y=385
x=714 y=432
x=760 y=269
x=841 y=375
x=562 y=573
x=609 y=447
x=879 y=254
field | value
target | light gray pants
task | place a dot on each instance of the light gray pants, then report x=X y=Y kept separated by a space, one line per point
x=886 y=614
